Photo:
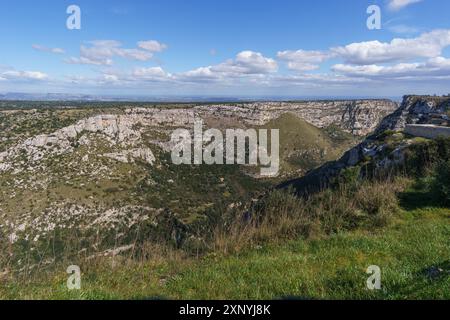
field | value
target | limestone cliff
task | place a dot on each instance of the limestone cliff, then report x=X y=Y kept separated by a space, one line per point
x=413 y=110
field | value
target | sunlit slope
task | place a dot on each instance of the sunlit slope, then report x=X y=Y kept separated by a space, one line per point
x=304 y=146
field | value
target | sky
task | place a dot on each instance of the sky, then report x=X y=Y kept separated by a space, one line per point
x=248 y=48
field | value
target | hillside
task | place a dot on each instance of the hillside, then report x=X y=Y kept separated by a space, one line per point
x=98 y=185
x=71 y=173
x=412 y=252
x=304 y=146
x=384 y=148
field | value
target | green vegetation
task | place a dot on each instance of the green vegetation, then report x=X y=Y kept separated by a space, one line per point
x=214 y=232
x=316 y=248
x=413 y=253
x=440 y=184
x=305 y=147
x=198 y=198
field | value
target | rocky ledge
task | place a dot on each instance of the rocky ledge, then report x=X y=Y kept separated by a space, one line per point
x=413 y=110
x=125 y=130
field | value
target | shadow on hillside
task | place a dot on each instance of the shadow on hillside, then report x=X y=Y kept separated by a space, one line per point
x=420 y=196
x=412 y=200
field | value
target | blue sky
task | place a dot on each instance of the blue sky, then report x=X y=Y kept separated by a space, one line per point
x=226 y=47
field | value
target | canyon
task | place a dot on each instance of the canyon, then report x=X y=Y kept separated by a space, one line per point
x=108 y=171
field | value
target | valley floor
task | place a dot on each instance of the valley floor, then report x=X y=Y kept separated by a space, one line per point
x=413 y=254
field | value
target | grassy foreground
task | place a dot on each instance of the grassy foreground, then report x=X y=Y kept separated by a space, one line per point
x=413 y=254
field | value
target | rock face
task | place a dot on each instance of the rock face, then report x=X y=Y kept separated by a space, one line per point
x=115 y=129
x=413 y=110
x=358 y=117
x=129 y=156
x=82 y=176
x=124 y=130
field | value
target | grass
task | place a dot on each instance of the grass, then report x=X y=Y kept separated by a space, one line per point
x=304 y=147
x=331 y=267
x=283 y=246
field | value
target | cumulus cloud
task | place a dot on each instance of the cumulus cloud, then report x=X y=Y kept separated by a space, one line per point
x=302 y=60
x=434 y=67
x=47 y=49
x=246 y=63
x=199 y=75
x=358 y=65
x=23 y=75
x=152 y=46
x=150 y=74
x=427 y=45
x=154 y=71
x=249 y=62
x=102 y=52
x=84 y=60
x=396 y=5
x=136 y=77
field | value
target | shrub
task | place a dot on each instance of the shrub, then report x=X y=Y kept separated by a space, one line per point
x=443 y=148
x=440 y=185
x=422 y=158
x=350 y=177
x=379 y=200
x=385 y=134
x=281 y=214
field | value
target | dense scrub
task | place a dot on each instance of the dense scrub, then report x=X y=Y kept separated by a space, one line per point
x=353 y=204
x=412 y=252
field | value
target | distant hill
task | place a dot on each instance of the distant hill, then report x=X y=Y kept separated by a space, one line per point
x=304 y=146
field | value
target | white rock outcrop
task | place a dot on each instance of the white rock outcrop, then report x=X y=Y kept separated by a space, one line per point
x=129 y=156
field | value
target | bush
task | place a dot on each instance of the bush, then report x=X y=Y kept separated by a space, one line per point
x=440 y=185
x=281 y=214
x=443 y=148
x=349 y=177
x=422 y=158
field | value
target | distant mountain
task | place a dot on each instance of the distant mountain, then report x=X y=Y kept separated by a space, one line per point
x=47 y=97
x=21 y=96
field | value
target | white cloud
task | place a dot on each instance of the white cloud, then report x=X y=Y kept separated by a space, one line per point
x=134 y=54
x=47 y=49
x=111 y=77
x=83 y=60
x=396 y=5
x=434 y=67
x=403 y=29
x=23 y=75
x=250 y=62
x=199 y=74
x=101 y=52
x=137 y=77
x=360 y=65
x=427 y=45
x=302 y=60
x=154 y=73
x=152 y=46
x=246 y=64
x=317 y=80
